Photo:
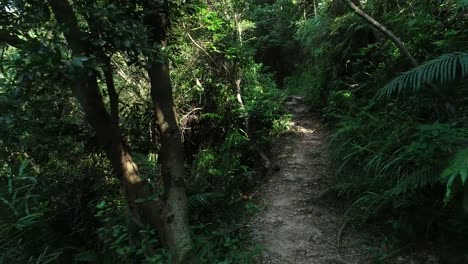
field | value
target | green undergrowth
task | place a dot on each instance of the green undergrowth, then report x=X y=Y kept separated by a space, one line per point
x=93 y=226
x=60 y=201
x=398 y=146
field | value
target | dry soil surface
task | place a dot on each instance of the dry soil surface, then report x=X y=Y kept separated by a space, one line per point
x=294 y=227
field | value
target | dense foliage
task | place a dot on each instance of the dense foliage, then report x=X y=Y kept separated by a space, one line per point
x=399 y=122
x=399 y=143
x=60 y=201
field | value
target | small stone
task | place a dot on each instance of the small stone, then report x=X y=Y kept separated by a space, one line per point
x=315 y=236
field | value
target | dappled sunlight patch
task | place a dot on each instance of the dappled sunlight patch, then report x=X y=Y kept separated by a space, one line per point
x=296 y=127
x=305 y=130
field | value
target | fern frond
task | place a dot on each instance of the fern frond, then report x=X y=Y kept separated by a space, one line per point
x=203 y=199
x=369 y=204
x=457 y=168
x=311 y=32
x=445 y=69
x=346 y=127
x=418 y=179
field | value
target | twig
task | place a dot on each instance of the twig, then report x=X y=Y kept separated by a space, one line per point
x=190 y=112
x=340 y=233
x=345 y=222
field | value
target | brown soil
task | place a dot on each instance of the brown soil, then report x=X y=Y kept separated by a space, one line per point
x=294 y=227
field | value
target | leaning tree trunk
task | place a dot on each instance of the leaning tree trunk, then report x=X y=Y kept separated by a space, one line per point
x=448 y=105
x=175 y=217
x=385 y=31
x=106 y=127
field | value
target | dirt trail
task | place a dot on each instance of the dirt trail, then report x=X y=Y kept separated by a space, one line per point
x=292 y=227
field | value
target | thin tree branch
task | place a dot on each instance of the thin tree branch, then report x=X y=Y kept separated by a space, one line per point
x=237 y=83
x=206 y=53
x=385 y=31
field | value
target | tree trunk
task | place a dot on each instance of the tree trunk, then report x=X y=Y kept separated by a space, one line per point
x=315 y=9
x=171 y=157
x=399 y=44
x=385 y=31
x=248 y=131
x=86 y=89
x=237 y=85
x=175 y=217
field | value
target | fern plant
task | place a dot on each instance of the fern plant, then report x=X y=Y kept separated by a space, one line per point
x=202 y=200
x=458 y=169
x=414 y=180
x=444 y=69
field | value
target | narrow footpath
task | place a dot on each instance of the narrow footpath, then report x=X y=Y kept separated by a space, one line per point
x=292 y=227
x=296 y=226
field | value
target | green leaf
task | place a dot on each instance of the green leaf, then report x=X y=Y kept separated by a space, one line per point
x=447 y=68
x=457 y=168
x=463 y=174
x=101 y=205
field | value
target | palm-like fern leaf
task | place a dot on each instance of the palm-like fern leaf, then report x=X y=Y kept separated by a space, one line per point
x=457 y=168
x=446 y=68
x=203 y=199
x=415 y=180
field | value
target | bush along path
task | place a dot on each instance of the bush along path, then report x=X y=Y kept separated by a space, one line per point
x=295 y=226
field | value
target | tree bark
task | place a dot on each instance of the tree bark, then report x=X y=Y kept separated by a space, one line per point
x=385 y=31
x=248 y=131
x=237 y=85
x=175 y=220
x=86 y=89
x=175 y=216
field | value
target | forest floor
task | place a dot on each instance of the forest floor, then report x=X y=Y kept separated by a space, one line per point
x=295 y=226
